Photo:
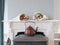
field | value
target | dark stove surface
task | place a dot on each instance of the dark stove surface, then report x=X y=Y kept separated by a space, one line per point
x=23 y=38
x=37 y=33
x=30 y=38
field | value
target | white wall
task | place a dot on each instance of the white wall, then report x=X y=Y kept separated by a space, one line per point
x=16 y=7
x=57 y=9
x=5 y=18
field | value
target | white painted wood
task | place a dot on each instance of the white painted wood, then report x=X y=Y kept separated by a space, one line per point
x=48 y=27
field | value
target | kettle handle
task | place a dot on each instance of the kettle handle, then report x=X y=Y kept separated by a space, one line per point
x=36 y=29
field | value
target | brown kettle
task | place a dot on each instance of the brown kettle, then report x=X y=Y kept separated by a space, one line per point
x=30 y=31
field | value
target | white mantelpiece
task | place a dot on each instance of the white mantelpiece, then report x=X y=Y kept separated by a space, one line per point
x=47 y=26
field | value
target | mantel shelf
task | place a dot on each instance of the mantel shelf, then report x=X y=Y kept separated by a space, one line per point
x=57 y=32
x=57 y=39
x=32 y=21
